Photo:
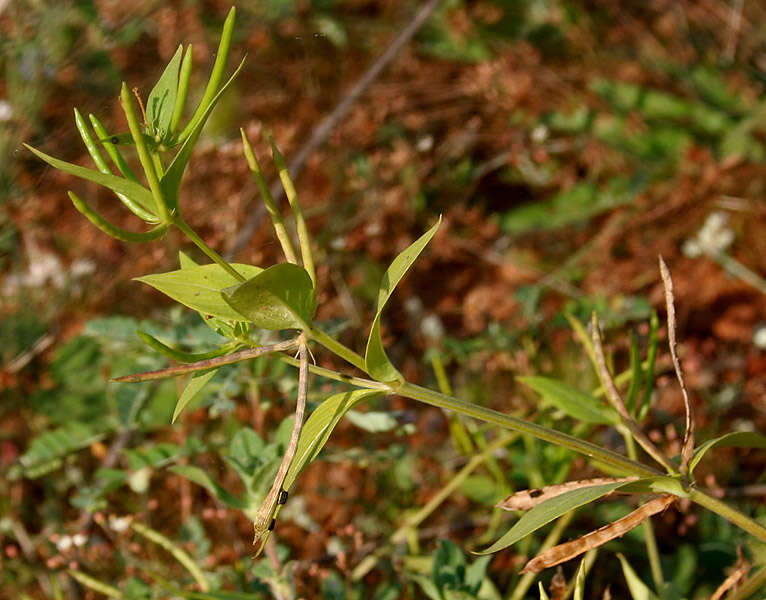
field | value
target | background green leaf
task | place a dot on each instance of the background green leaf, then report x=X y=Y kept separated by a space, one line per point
x=572 y=401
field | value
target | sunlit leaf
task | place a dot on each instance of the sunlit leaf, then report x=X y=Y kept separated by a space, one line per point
x=280 y=297
x=552 y=509
x=318 y=427
x=377 y=363
x=200 y=287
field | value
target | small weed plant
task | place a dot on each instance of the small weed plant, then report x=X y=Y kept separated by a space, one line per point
x=271 y=311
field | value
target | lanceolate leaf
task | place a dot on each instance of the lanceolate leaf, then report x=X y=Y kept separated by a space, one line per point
x=191 y=390
x=572 y=401
x=200 y=287
x=133 y=190
x=737 y=439
x=171 y=180
x=552 y=509
x=281 y=297
x=162 y=98
x=377 y=363
x=318 y=427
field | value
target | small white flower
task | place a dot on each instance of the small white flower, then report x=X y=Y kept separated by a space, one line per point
x=64 y=543
x=6 y=111
x=713 y=238
x=119 y=524
x=79 y=539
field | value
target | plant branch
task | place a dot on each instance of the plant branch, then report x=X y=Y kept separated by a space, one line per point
x=604 y=456
x=732 y=515
x=202 y=245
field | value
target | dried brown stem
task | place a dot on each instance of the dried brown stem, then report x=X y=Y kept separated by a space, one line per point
x=616 y=401
x=594 y=539
x=211 y=363
x=687 y=451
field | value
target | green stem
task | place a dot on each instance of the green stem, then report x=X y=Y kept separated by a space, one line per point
x=730 y=514
x=652 y=551
x=209 y=252
x=95 y=584
x=337 y=348
x=606 y=457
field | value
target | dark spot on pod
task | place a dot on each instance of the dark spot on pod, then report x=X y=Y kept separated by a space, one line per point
x=282 y=497
x=535 y=493
x=114 y=139
x=272 y=524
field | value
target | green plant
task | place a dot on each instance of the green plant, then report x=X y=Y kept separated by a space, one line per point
x=245 y=304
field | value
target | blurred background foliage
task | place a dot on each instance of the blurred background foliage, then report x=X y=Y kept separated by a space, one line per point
x=566 y=142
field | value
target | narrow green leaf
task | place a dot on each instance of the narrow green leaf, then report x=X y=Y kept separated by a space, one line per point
x=184 y=76
x=637 y=375
x=111 y=150
x=162 y=99
x=377 y=362
x=102 y=166
x=192 y=388
x=209 y=96
x=736 y=439
x=281 y=297
x=179 y=355
x=638 y=589
x=143 y=150
x=572 y=401
x=200 y=287
x=112 y=230
x=171 y=180
x=318 y=427
x=200 y=477
x=651 y=358
x=133 y=190
x=549 y=510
